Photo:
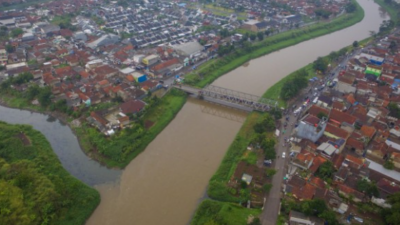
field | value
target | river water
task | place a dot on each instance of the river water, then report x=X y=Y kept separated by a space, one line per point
x=263 y=72
x=164 y=184
x=64 y=144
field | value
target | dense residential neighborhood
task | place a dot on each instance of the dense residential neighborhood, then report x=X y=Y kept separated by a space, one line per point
x=345 y=147
x=107 y=63
x=124 y=51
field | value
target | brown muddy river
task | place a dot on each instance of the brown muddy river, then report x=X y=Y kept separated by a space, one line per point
x=263 y=72
x=164 y=183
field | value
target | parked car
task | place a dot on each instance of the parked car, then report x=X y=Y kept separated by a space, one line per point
x=283 y=154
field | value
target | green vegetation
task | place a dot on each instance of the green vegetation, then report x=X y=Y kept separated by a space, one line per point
x=119 y=149
x=275 y=91
x=217 y=187
x=18 y=99
x=367 y=187
x=64 y=21
x=392 y=216
x=391 y=7
x=214 y=213
x=35 y=188
x=388 y=164
x=293 y=86
x=16 y=32
x=207 y=74
x=250 y=158
x=326 y=171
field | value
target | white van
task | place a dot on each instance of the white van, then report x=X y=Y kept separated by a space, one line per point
x=315 y=100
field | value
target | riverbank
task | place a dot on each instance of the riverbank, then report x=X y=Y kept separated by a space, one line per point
x=211 y=71
x=130 y=142
x=41 y=190
x=96 y=145
x=226 y=194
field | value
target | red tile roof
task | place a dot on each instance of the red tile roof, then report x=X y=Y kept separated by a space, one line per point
x=368 y=131
x=350 y=191
x=337 y=160
x=336 y=131
x=99 y=118
x=358 y=162
x=165 y=64
x=354 y=143
x=342 y=117
x=132 y=106
x=311 y=119
x=315 y=110
x=317 y=182
x=316 y=163
x=388 y=186
x=304 y=193
x=338 y=105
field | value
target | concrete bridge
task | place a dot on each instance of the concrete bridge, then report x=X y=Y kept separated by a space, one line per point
x=230 y=98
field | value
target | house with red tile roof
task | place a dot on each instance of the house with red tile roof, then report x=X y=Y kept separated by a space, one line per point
x=335 y=132
x=317 y=182
x=132 y=106
x=355 y=145
x=347 y=191
x=305 y=192
x=387 y=187
x=353 y=161
x=303 y=160
x=318 y=160
x=105 y=71
x=339 y=117
x=315 y=110
x=368 y=131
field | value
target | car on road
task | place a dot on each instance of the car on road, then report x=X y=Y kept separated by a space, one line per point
x=283 y=154
x=287 y=118
x=267 y=162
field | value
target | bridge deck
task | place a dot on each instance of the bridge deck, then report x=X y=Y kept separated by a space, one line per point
x=230 y=98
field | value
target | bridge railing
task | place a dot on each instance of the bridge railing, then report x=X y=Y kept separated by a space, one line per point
x=249 y=100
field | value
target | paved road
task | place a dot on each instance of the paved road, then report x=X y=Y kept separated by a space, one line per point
x=271 y=209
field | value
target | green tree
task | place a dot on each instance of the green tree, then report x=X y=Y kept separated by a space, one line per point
x=9 y=48
x=325 y=170
x=260 y=36
x=389 y=164
x=368 y=188
x=355 y=44
x=320 y=64
x=252 y=37
x=16 y=32
x=350 y=7
x=44 y=96
x=394 y=110
x=392 y=215
x=321 y=115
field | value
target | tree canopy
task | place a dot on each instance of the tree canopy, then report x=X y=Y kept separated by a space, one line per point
x=35 y=187
x=293 y=86
x=392 y=215
x=321 y=64
x=325 y=170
